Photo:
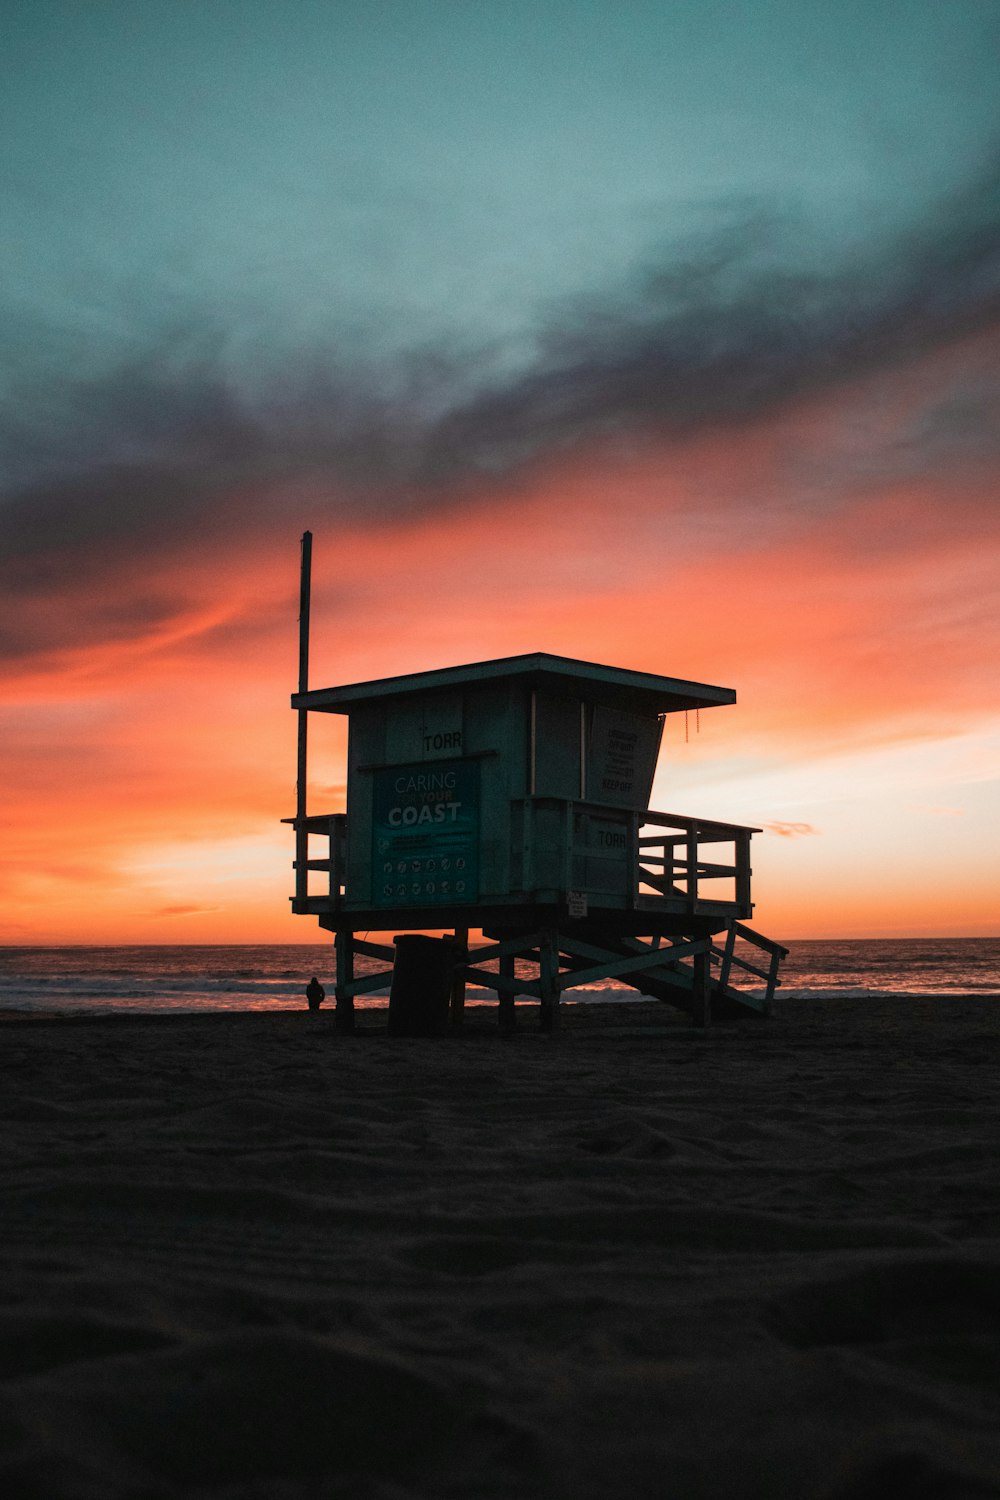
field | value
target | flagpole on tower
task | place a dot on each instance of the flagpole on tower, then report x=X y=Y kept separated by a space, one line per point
x=301 y=833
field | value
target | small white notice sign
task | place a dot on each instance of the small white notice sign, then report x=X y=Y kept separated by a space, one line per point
x=576 y=903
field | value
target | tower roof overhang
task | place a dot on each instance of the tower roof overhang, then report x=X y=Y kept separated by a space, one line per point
x=618 y=687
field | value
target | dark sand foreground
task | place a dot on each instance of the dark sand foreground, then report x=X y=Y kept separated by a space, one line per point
x=244 y=1257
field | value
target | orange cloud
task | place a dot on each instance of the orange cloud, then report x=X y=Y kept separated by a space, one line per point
x=184 y=911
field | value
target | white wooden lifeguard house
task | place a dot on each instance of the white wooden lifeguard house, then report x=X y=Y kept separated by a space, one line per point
x=510 y=798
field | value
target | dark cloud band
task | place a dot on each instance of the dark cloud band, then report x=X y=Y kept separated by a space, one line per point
x=175 y=444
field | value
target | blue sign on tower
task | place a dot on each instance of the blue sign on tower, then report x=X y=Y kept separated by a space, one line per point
x=425 y=834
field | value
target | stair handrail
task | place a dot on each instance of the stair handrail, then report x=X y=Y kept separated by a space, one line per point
x=728 y=957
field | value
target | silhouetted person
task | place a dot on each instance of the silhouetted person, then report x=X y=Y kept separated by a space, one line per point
x=315 y=993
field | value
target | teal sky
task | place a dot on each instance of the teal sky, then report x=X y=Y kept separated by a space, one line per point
x=398 y=246
x=396 y=174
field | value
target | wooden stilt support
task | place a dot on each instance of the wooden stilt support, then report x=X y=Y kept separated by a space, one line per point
x=457 y=1004
x=701 y=989
x=505 y=1005
x=344 y=1018
x=726 y=965
x=548 y=980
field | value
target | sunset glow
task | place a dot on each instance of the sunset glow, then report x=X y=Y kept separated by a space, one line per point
x=743 y=430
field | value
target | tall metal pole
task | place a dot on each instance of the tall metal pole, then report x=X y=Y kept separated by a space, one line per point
x=301 y=834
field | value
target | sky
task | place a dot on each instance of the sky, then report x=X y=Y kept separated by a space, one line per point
x=660 y=335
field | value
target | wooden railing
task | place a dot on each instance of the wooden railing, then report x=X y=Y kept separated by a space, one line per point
x=556 y=837
x=672 y=862
x=666 y=868
x=332 y=827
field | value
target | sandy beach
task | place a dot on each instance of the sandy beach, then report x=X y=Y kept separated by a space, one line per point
x=246 y=1257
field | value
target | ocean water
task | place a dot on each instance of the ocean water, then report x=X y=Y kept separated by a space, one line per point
x=273 y=976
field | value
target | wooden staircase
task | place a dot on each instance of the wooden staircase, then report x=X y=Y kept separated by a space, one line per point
x=668 y=970
x=673 y=980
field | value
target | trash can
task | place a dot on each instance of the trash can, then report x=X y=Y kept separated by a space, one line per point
x=420 y=993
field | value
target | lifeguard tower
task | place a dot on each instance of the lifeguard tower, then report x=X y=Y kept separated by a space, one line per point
x=510 y=798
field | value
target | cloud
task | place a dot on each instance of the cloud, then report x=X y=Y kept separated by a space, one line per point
x=711 y=331
x=735 y=329
x=183 y=911
x=790 y=830
x=30 y=630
